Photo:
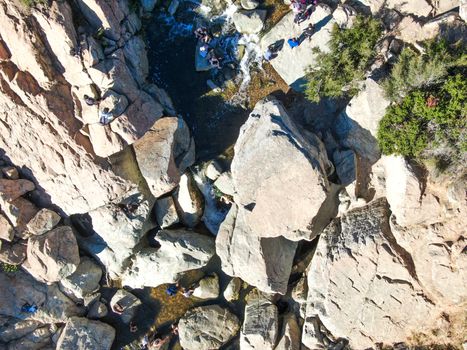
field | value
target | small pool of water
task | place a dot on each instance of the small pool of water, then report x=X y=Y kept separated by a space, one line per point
x=213 y=121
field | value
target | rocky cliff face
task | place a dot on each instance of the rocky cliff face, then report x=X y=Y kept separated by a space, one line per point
x=328 y=243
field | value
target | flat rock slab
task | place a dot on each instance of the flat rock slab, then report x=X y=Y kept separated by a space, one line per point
x=83 y=334
x=292 y=64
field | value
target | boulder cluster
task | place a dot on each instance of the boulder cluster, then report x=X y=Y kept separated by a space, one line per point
x=303 y=237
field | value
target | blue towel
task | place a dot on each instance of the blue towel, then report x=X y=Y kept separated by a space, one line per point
x=171 y=290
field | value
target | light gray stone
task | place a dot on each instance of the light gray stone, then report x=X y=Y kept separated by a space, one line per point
x=359 y=269
x=208 y=287
x=249 y=4
x=189 y=201
x=43 y=221
x=83 y=334
x=128 y=302
x=290 y=338
x=272 y=160
x=260 y=326
x=180 y=251
x=207 y=327
x=84 y=281
x=53 y=255
x=232 y=291
x=249 y=22
x=20 y=287
x=213 y=170
x=161 y=154
x=262 y=262
x=166 y=212
x=224 y=183
x=302 y=56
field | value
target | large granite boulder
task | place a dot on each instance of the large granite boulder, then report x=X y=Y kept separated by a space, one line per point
x=261 y=325
x=179 y=251
x=360 y=270
x=83 y=334
x=54 y=255
x=292 y=64
x=84 y=281
x=19 y=288
x=262 y=262
x=164 y=153
x=207 y=327
x=272 y=160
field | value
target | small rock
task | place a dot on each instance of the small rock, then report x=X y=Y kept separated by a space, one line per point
x=291 y=334
x=84 y=281
x=20 y=212
x=43 y=221
x=260 y=327
x=189 y=201
x=148 y=5
x=208 y=288
x=213 y=170
x=6 y=230
x=83 y=334
x=232 y=291
x=97 y=310
x=173 y=7
x=166 y=212
x=116 y=103
x=344 y=16
x=249 y=22
x=224 y=183
x=53 y=255
x=249 y=4
x=207 y=327
x=10 y=172
x=128 y=302
x=13 y=253
x=12 y=189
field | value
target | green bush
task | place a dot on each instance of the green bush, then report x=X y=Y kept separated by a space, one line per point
x=339 y=71
x=426 y=120
x=30 y=3
x=8 y=267
x=414 y=71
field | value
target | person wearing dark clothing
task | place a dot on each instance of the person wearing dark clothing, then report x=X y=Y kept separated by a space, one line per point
x=307 y=33
x=303 y=15
x=106 y=117
x=90 y=101
x=172 y=290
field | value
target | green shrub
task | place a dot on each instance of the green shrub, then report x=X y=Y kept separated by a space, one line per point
x=31 y=3
x=8 y=267
x=414 y=127
x=339 y=71
x=414 y=71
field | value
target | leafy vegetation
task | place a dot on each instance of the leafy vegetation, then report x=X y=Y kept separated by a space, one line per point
x=339 y=71
x=430 y=121
x=416 y=71
x=8 y=267
x=31 y=3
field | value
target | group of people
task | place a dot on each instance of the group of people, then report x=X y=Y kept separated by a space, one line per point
x=206 y=49
x=155 y=341
x=302 y=10
x=105 y=115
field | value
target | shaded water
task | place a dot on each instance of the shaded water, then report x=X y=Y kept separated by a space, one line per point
x=213 y=121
